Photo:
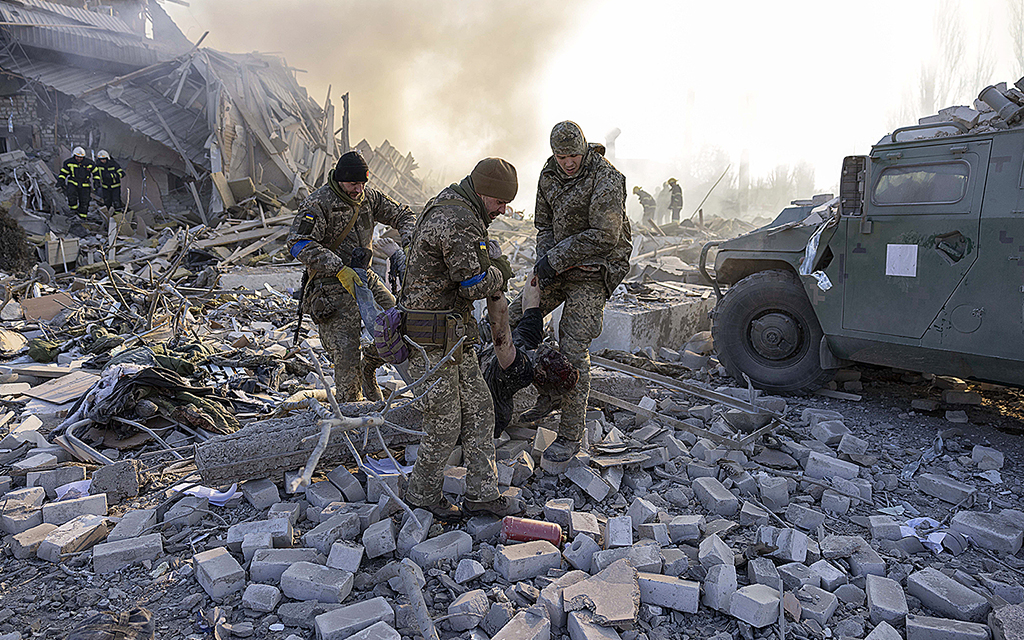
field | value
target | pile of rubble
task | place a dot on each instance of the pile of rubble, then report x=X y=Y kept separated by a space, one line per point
x=997 y=108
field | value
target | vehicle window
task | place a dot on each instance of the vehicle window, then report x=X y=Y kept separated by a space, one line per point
x=922 y=184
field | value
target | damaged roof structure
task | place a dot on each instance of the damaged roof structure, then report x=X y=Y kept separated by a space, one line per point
x=195 y=128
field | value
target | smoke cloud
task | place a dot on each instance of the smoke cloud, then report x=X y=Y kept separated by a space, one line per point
x=449 y=81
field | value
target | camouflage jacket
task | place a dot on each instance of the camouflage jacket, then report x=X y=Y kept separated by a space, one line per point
x=448 y=266
x=581 y=220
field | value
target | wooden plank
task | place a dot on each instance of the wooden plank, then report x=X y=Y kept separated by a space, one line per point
x=221 y=183
x=232 y=238
x=46 y=307
x=620 y=460
x=40 y=370
x=677 y=424
x=253 y=248
x=60 y=390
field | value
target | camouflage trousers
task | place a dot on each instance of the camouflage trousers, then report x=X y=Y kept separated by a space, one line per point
x=458 y=409
x=355 y=368
x=582 y=320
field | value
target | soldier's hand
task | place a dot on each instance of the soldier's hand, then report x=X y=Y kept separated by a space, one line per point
x=388 y=246
x=505 y=267
x=544 y=271
x=349 y=279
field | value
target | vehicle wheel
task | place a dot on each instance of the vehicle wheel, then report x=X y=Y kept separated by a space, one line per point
x=765 y=327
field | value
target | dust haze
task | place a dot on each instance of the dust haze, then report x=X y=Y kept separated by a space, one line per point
x=450 y=82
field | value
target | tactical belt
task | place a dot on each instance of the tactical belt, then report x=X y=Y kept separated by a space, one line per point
x=436 y=328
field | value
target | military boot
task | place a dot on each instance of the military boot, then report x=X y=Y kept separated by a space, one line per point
x=546 y=403
x=499 y=507
x=442 y=510
x=561 y=450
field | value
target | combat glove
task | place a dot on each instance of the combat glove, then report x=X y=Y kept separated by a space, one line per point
x=545 y=271
x=350 y=280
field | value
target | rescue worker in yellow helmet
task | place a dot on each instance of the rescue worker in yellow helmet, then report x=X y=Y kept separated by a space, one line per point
x=75 y=178
x=107 y=180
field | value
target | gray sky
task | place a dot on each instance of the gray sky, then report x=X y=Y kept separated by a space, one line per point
x=456 y=80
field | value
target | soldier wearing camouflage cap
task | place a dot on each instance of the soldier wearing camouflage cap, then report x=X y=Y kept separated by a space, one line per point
x=584 y=242
x=449 y=267
x=333 y=228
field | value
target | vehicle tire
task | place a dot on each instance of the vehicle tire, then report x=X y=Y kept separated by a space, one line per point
x=764 y=326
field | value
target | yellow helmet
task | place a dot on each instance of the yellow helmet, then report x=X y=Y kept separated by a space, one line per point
x=636 y=189
x=672 y=181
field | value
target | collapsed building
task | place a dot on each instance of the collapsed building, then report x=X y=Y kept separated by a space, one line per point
x=198 y=131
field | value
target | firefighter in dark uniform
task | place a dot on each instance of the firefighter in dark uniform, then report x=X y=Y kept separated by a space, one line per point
x=76 y=179
x=107 y=179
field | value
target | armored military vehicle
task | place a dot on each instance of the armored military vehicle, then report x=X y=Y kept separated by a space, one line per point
x=917 y=264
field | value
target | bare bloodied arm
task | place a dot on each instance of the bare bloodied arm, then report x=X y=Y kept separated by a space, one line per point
x=497 y=315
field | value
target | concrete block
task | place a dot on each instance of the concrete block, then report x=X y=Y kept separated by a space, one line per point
x=989 y=531
x=641 y=511
x=308 y=581
x=263 y=598
x=468 y=610
x=343 y=622
x=987 y=458
x=526 y=625
x=631 y=327
x=612 y=596
x=581 y=627
x=377 y=631
x=71 y=537
x=25 y=544
x=946 y=596
x=261 y=494
x=552 y=600
x=497 y=617
x=833 y=547
x=526 y=560
x=523 y=468
x=644 y=556
x=483 y=527
x=751 y=514
x=830 y=576
x=852 y=445
x=218 y=573
x=289 y=510
x=834 y=503
x=15 y=521
x=818 y=465
x=803 y=517
x=344 y=526
x=557 y=510
x=133 y=524
x=757 y=605
x=883 y=632
x=927 y=628
x=581 y=552
x=374 y=486
x=830 y=432
x=448 y=546
x=886 y=600
x=715 y=497
x=618 y=532
x=468 y=570
x=346 y=556
x=791 y=545
x=674 y=562
x=589 y=481
x=796 y=575
x=379 y=538
x=254 y=541
x=719 y=587
x=817 y=604
x=108 y=557
x=884 y=528
x=813 y=416
x=657 y=531
x=267 y=565
x=774 y=492
x=762 y=570
x=347 y=484
x=670 y=592
x=687 y=528
x=413 y=531
x=320 y=494
x=50 y=480
x=945 y=488
x=119 y=481
x=187 y=512
x=37 y=462
x=280 y=530
x=866 y=561
x=66 y=510
x=714 y=551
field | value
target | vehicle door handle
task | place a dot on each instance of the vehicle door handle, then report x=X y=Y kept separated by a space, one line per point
x=951 y=246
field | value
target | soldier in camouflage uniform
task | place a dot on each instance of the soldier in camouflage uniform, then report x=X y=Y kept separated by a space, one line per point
x=333 y=222
x=584 y=243
x=448 y=268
